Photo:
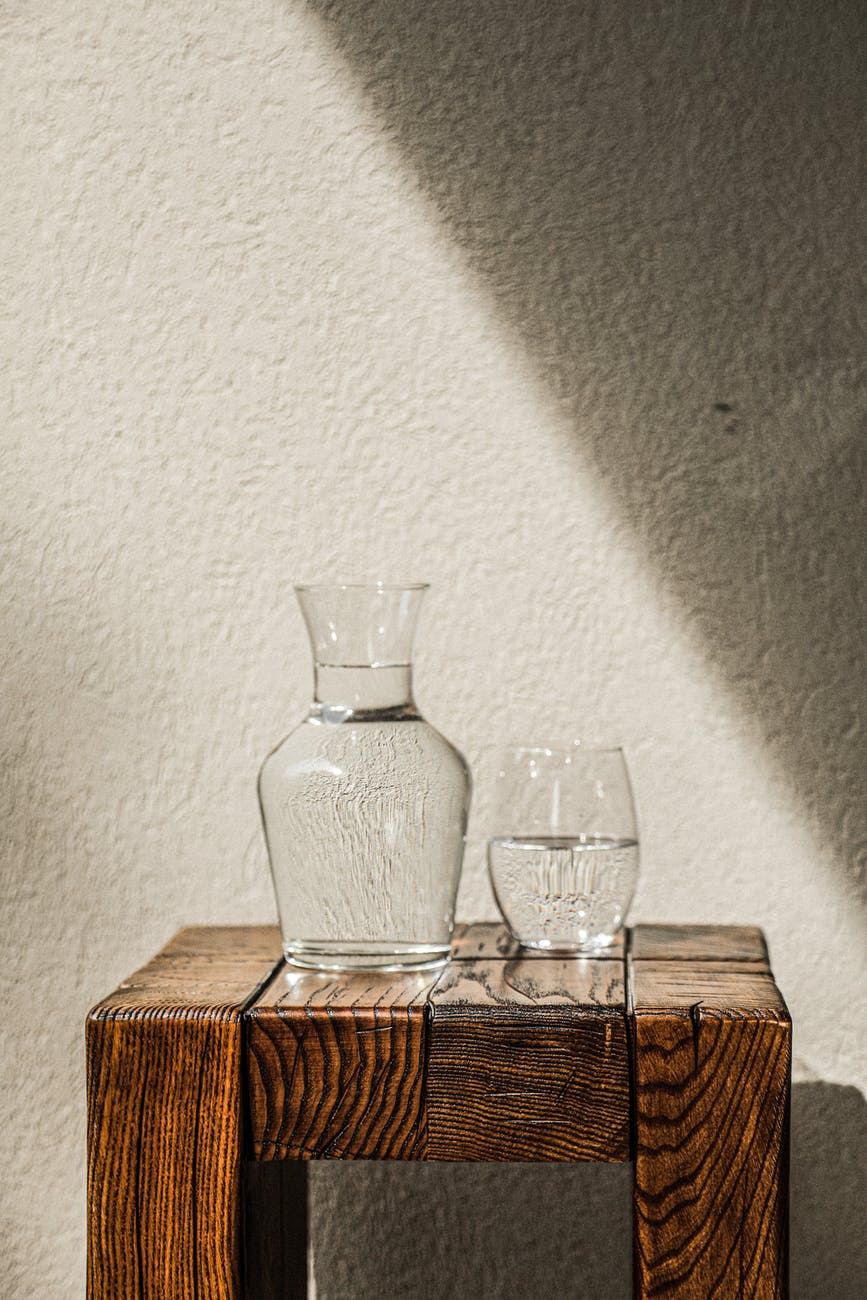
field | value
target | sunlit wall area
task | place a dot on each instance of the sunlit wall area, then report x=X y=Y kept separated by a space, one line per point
x=554 y=306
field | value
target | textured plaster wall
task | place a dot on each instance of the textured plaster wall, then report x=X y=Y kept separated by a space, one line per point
x=556 y=306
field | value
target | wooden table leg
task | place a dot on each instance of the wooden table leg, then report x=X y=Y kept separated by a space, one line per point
x=164 y=1067
x=275 y=1230
x=711 y=1092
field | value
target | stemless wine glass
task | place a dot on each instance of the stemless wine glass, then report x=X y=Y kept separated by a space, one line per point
x=564 y=858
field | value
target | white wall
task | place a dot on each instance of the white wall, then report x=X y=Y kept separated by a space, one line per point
x=453 y=292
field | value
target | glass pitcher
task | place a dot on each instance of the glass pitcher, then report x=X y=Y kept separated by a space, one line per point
x=364 y=804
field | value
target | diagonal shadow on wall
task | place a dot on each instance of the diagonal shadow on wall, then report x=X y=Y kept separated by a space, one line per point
x=662 y=201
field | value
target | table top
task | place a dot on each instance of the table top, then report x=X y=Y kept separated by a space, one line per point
x=504 y=1053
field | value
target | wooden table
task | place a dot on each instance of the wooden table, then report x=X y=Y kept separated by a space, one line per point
x=215 y=1059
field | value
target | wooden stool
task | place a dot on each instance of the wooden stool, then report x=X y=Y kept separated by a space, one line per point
x=672 y=1051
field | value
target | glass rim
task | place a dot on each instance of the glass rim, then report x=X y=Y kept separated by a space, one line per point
x=374 y=586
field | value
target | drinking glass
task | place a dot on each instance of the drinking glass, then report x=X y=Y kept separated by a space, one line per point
x=564 y=859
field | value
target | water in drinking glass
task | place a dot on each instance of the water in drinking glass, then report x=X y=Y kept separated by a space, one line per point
x=563 y=892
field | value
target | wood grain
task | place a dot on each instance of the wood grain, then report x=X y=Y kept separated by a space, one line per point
x=698 y=943
x=501 y=1057
x=725 y=985
x=335 y=1067
x=164 y=1057
x=528 y=1061
x=486 y=939
x=711 y=1052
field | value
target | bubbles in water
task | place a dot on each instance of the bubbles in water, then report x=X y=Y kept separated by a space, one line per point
x=563 y=892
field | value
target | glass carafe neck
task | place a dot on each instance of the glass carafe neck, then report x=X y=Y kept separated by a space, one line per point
x=362 y=691
x=362 y=646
